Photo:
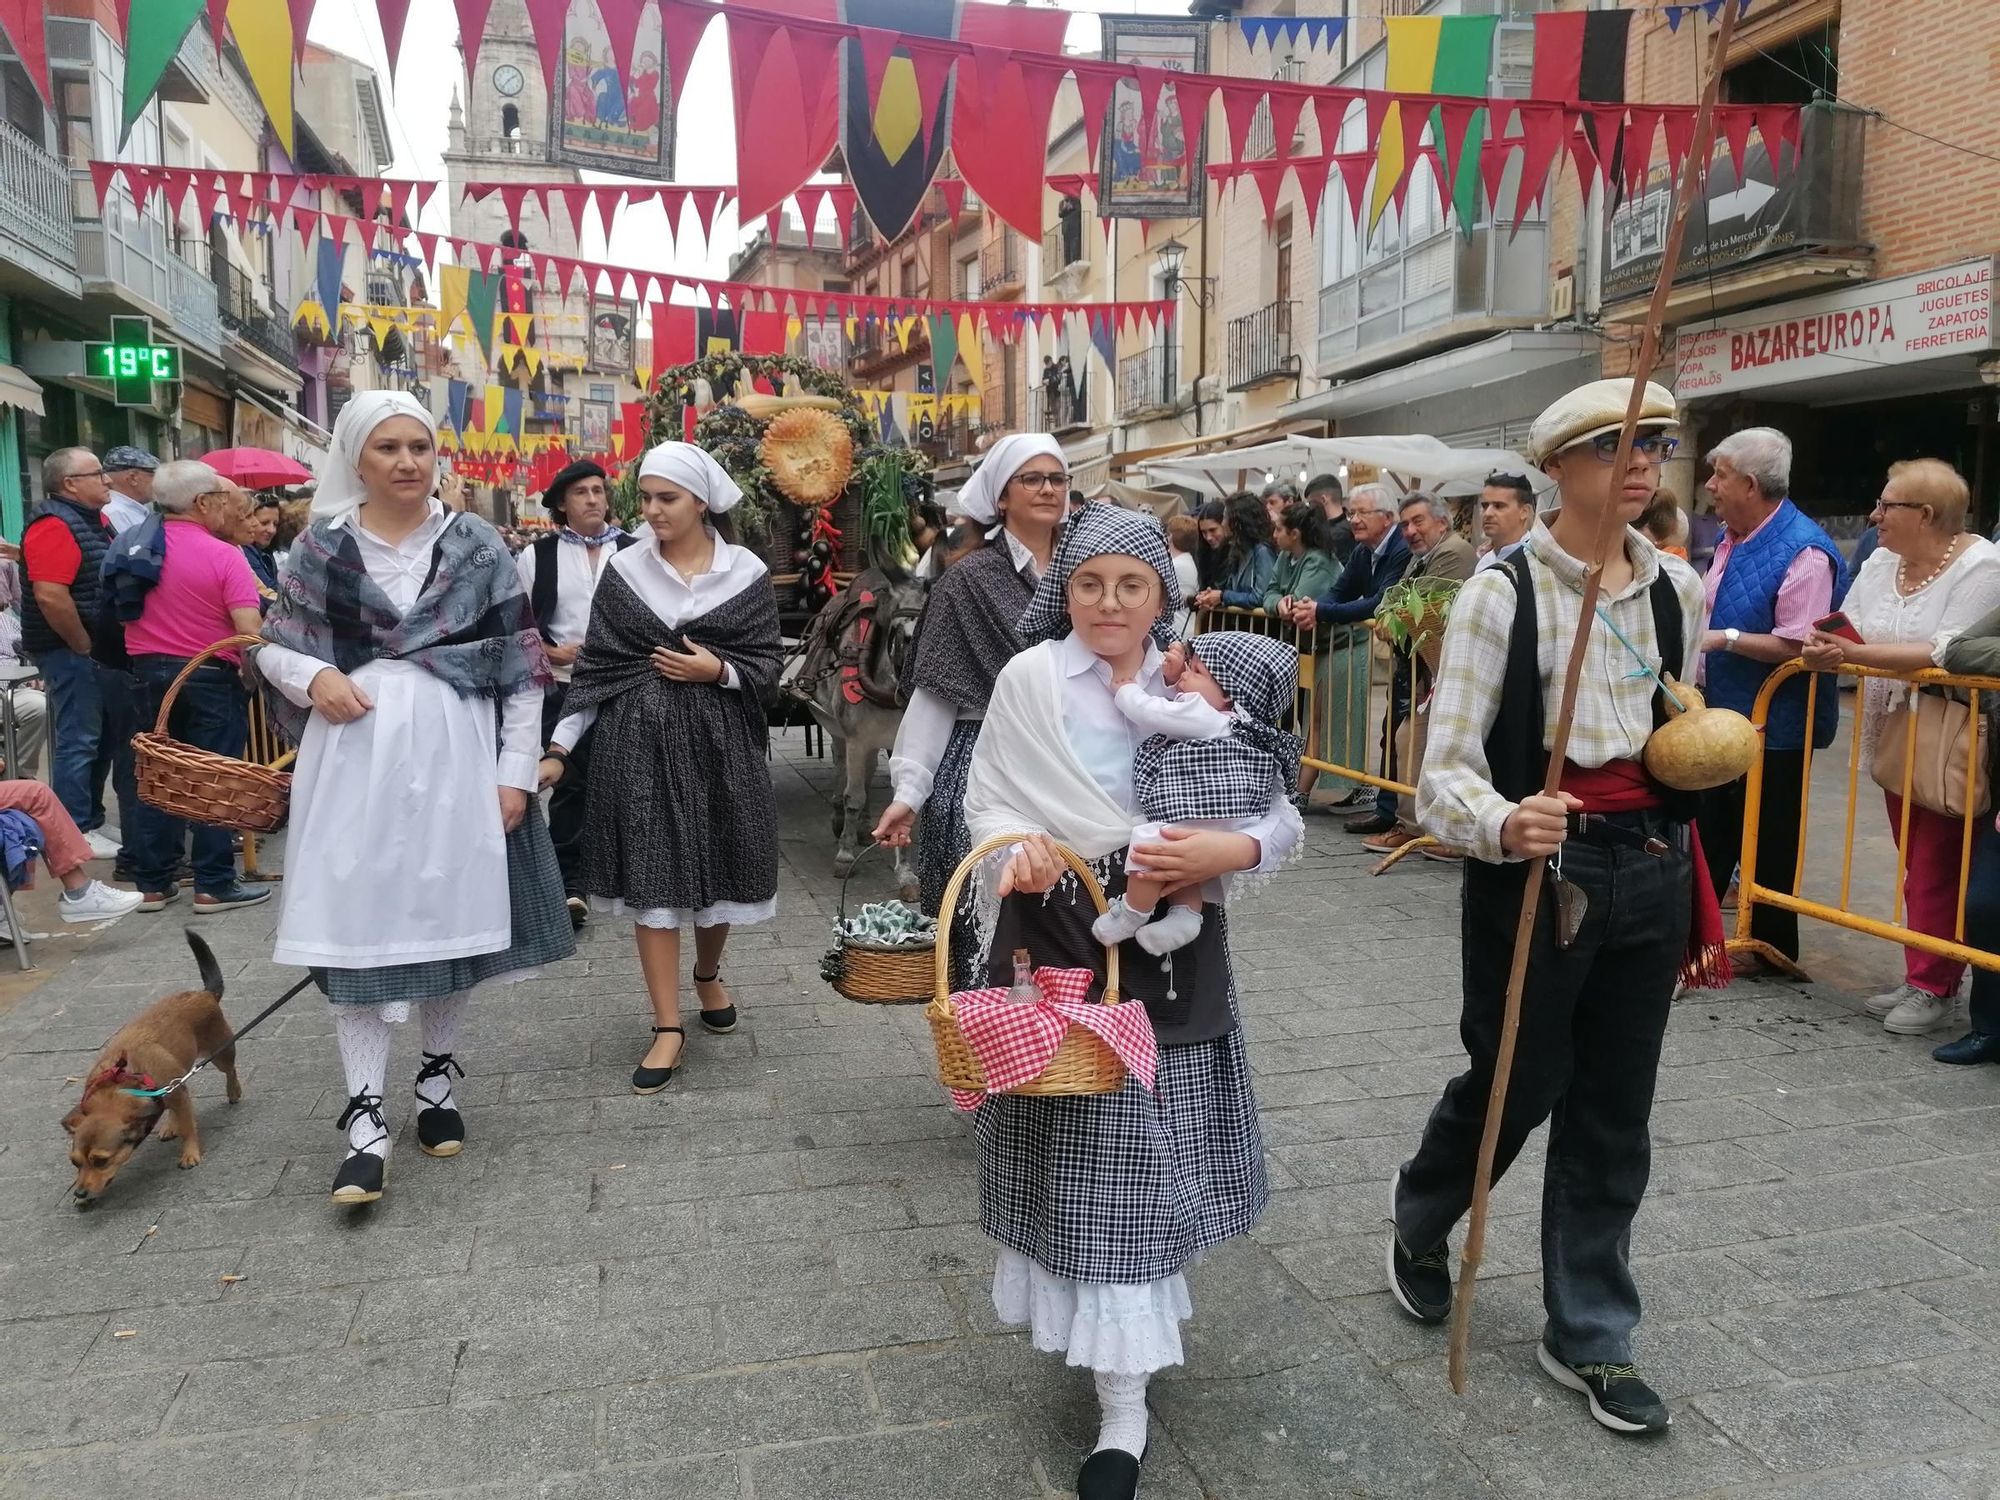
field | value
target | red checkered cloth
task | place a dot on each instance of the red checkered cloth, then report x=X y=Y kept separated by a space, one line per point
x=1014 y=1042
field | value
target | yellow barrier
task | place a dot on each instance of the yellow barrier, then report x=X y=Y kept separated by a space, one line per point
x=1357 y=738
x=1750 y=893
x=264 y=748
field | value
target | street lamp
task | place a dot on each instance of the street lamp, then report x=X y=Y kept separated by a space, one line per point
x=1172 y=255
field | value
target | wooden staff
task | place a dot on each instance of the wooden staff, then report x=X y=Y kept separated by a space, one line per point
x=1692 y=172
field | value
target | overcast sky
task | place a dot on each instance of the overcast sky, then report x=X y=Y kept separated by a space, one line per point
x=421 y=109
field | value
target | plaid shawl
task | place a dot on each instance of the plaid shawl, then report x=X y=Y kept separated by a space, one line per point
x=470 y=627
x=966 y=633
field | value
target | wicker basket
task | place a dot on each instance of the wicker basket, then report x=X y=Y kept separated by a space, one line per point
x=1082 y=1064
x=200 y=785
x=875 y=974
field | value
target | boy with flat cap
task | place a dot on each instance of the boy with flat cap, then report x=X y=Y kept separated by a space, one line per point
x=560 y=572
x=1612 y=934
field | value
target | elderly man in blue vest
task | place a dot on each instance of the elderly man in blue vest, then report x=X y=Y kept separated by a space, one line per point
x=1775 y=573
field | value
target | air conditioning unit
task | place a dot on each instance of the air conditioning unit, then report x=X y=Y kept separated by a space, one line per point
x=1562 y=297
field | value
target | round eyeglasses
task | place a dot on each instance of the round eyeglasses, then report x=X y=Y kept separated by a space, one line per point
x=1042 y=481
x=1130 y=593
x=1655 y=447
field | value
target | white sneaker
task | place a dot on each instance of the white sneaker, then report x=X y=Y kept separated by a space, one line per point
x=98 y=903
x=1879 y=1006
x=1922 y=1012
x=100 y=846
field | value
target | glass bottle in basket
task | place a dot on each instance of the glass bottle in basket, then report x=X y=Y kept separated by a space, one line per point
x=1024 y=990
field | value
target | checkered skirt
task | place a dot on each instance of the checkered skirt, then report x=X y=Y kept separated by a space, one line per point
x=542 y=933
x=1127 y=1187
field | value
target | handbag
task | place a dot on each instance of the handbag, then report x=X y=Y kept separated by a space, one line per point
x=1948 y=735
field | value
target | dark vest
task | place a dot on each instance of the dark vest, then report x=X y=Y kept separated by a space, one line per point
x=1747 y=600
x=542 y=598
x=93 y=537
x=1514 y=754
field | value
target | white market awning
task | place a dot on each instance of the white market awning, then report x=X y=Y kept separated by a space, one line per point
x=1419 y=463
x=19 y=389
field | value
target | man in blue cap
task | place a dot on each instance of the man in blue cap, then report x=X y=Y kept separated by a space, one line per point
x=130 y=472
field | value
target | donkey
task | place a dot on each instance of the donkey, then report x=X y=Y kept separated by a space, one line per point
x=856 y=653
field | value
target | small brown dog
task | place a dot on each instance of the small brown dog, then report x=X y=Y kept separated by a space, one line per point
x=162 y=1042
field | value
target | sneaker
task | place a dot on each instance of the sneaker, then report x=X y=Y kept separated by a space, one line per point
x=158 y=900
x=1879 y=1006
x=236 y=894
x=1421 y=1284
x=1618 y=1398
x=1920 y=1014
x=97 y=902
x=100 y=846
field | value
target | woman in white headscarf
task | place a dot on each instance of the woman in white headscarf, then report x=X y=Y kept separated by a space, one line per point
x=402 y=659
x=1020 y=492
x=680 y=824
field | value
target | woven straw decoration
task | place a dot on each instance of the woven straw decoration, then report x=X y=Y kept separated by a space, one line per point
x=810 y=455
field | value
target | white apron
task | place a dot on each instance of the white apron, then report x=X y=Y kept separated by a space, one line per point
x=396 y=854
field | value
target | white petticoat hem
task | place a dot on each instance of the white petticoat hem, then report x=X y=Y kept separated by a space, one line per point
x=667 y=918
x=1124 y=1329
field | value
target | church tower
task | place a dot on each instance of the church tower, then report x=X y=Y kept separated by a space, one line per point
x=501 y=134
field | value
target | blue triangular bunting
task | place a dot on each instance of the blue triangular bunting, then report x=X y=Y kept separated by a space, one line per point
x=1320 y=31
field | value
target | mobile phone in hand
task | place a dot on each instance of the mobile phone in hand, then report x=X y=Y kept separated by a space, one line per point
x=1838 y=624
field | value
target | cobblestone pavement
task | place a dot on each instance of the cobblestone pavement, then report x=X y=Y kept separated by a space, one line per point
x=766 y=1283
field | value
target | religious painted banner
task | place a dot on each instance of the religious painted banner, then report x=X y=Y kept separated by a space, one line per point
x=612 y=324
x=596 y=118
x=595 y=426
x=1151 y=169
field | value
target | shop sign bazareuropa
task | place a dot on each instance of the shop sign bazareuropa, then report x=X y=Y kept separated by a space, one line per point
x=1905 y=320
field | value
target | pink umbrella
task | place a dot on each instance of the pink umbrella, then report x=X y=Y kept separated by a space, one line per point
x=257 y=468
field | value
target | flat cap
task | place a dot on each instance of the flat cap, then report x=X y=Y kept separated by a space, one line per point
x=1592 y=409
x=123 y=457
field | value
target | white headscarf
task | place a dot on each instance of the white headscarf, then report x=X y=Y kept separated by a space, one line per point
x=341 y=491
x=694 y=471
x=979 y=500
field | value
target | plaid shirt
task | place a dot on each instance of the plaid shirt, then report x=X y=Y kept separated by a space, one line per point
x=1456 y=801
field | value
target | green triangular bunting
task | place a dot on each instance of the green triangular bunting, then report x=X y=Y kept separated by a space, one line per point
x=153 y=35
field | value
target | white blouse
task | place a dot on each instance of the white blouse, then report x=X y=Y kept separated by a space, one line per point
x=399 y=570
x=675 y=599
x=928 y=720
x=1939 y=613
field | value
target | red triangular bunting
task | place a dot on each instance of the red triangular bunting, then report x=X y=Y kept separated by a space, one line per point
x=547 y=17
x=1735 y=121
x=1639 y=146
x=681 y=28
x=1094 y=86
x=1285 y=109
x=1239 y=108
x=393 y=14
x=1354 y=169
x=1541 y=138
x=621 y=29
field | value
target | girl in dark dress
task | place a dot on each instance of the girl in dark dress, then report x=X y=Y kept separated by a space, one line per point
x=680 y=824
x=1100 y=1202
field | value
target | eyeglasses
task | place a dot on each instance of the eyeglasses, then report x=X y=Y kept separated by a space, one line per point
x=1652 y=446
x=1042 y=481
x=90 y=474
x=1131 y=593
x=1899 y=505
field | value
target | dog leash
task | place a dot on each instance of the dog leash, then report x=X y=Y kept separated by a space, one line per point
x=241 y=1032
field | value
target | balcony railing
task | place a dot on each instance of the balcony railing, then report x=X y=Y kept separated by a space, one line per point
x=1146 y=381
x=1437 y=282
x=1062 y=245
x=1056 y=408
x=1000 y=266
x=1260 y=347
x=247 y=322
x=37 y=229
x=191 y=298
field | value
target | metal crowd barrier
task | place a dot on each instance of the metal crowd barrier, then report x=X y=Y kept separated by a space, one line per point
x=265 y=747
x=1750 y=894
x=1361 y=668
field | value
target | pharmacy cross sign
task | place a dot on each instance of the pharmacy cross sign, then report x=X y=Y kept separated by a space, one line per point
x=131 y=361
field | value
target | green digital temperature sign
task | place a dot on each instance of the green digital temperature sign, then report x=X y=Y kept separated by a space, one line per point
x=131 y=361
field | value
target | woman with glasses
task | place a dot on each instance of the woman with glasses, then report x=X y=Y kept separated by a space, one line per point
x=1020 y=496
x=1099 y=1202
x=1918 y=592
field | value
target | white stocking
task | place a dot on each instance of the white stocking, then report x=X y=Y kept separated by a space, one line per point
x=1122 y=1399
x=442 y=1022
x=363 y=1035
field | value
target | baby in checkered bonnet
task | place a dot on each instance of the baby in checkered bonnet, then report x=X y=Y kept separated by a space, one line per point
x=1218 y=758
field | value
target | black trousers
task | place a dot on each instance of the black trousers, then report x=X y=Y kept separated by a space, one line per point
x=566 y=801
x=1721 y=825
x=1593 y=1017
